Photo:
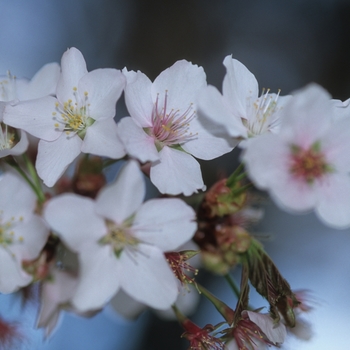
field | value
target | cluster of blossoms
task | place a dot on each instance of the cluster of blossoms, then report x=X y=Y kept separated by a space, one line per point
x=296 y=147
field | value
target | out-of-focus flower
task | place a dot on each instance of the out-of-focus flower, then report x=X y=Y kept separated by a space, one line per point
x=56 y=292
x=22 y=233
x=121 y=241
x=255 y=331
x=79 y=120
x=307 y=164
x=239 y=109
x=13 y=142
x=164 y=129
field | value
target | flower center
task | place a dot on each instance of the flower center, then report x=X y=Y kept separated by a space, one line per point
x=308 y=164
x=75 y=117
x=170 y=127
x=119 y=237
x=8 y=137
x=7 y=233
x=263 y=111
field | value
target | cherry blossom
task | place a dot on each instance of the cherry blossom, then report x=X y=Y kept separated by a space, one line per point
x=22 y=233
x=44 y=82
x=164 y=129
x=239 y=109
x=307 y=164
x=79 y=120
x=120 y=241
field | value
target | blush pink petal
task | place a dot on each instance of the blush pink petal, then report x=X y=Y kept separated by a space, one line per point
x=136 y=142
x=138 y=98
x=104 y=87
x=35 y=117
x=147 y=270
x=307 y=116
x=74 y=219
x=102 y=140
x=182 y=81
x=73 y=68
x=122 y=198
x=334 y=205
x=99 y=277
x=54 y=157
x=176 y=172
x=166 y=223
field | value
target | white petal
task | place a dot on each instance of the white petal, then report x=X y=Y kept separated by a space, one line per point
x=12 y=277
x=147 y=277
x=19 y=148
x=30 y=236
x=35 y=117
x=166 y=223
x=205 y=145
x=104 y=87
x=307 y=116
x=54 y=157
x=125 y=305
x=101 y=139
x=181 y=83
x=74 y=218
x=274 y=332
x=137 y=143
x=73 y=69
x=99 y=277
x=121 y=199
x=334 y=206
x=138 y=98
x=43 y=83
x=211 y=105
x=239 y=86
x=176 y=172
x=16 y=197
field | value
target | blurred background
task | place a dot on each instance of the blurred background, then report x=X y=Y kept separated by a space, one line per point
x=286 y=44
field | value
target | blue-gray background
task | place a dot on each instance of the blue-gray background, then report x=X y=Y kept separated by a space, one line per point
x=286 y=44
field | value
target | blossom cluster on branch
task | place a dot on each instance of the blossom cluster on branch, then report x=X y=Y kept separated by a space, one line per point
x=88 y=243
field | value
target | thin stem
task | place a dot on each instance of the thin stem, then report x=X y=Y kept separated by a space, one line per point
x=31 y=169
x=233 y=177
x=233 y=285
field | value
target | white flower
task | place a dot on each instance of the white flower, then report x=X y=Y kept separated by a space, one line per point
x=42 y=84
x=79 y=120
x=307 y=164
x=22 y=233
x=121 y=241
x=239 y=109
x=163 y=128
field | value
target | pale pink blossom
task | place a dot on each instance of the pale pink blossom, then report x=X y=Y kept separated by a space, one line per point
x=239 y=109
x=79 y=120
x=121 y=241
x=307 y=164
x=164 y=129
